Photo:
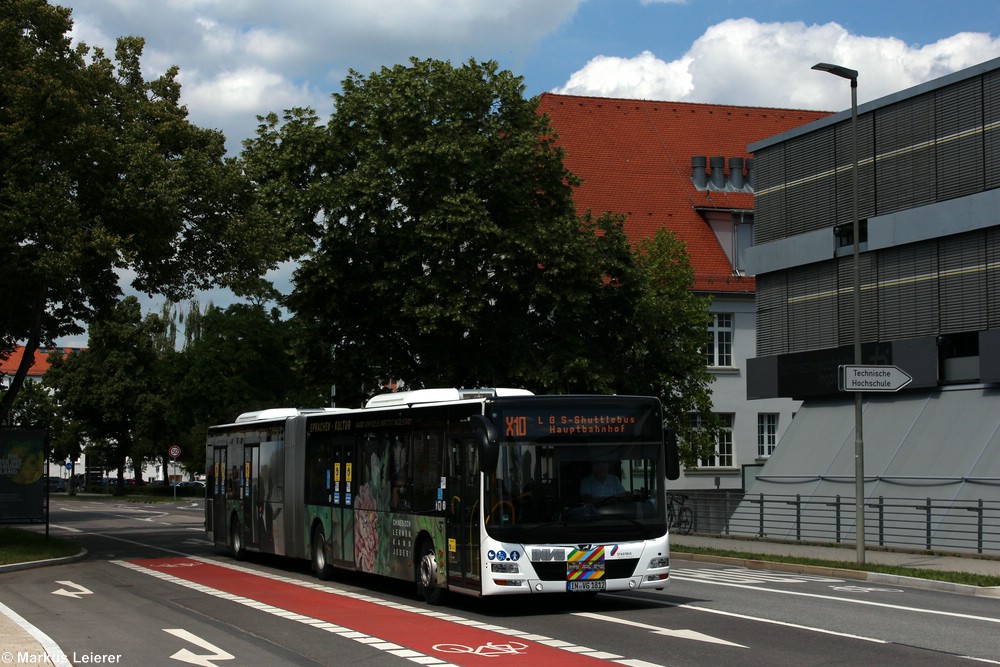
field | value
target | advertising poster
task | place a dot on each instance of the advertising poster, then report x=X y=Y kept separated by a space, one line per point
x=22 y=464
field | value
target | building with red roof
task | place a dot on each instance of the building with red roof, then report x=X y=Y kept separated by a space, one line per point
x=40 y=364
x=685 y=167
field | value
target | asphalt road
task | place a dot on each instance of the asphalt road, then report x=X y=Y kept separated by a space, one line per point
x=154 y=592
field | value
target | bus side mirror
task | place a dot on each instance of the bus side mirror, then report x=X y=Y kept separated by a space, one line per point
x=673 y=456
x=488 y=441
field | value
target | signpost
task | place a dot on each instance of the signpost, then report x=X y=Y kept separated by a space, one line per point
x=858 y=378
x=872 y=378
x=174 y=451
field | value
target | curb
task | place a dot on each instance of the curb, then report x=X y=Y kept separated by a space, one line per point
x=14 y=567
x=931 y=584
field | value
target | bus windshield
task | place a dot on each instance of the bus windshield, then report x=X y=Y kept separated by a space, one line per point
x=576 y=470
x=576 y=491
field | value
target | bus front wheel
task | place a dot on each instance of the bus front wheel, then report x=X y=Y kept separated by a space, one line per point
x=427 y=587
x=319 y=563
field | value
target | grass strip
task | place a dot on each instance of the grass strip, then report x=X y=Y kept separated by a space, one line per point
x=24 y=546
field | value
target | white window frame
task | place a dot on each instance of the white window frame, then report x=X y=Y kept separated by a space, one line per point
x=719 y=350
x=767 y=433
x=724 y=456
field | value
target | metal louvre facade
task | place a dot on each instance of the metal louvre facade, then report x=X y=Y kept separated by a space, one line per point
x=992 y=302
x=928 y=174
x=929 y=260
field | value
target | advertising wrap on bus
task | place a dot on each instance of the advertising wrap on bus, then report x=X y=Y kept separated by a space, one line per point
x=483 y=493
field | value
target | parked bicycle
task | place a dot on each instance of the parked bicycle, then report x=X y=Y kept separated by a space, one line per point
x=679 y=516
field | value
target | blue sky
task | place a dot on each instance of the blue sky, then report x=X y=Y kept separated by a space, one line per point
x=242 y=58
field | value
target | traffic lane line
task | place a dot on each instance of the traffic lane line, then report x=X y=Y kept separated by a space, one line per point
x=409 y=632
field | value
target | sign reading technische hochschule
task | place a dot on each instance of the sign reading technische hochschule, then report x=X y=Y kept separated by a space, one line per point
x=22 y=464
x=873 y=378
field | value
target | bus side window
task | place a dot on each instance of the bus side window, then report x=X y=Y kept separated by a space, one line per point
x=427 y=457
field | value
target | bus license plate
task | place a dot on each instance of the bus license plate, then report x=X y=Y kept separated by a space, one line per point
x=599 y=585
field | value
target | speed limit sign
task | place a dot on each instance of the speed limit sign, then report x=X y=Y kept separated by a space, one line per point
x=174 y=451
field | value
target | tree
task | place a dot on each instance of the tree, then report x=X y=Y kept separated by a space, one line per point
x=242 y=360
x=111 y=391
x=447 y=249
x=667 y=358
x=34 y=408
x=101 y=172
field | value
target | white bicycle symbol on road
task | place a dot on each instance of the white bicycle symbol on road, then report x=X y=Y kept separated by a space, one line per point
x=488 y=650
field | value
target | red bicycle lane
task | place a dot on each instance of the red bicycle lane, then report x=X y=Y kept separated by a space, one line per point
x=450 y=641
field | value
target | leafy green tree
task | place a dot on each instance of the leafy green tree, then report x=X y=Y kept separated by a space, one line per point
x=447 y=248
x=667 y=358
x=242 y=360
x=111 y=390
x=101 y=171
x=34 y=408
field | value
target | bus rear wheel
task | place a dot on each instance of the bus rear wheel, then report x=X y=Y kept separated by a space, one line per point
x=319 y=563
x=427 y=587
x=236 y=539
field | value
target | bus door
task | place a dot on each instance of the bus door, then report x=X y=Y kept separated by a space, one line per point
x=344 y=490
x=217 y=520
x=463 y=511
x=251 y=502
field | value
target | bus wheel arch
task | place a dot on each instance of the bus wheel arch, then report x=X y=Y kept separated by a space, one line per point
x=236 y=537
x=425 y=562
x=317 y=549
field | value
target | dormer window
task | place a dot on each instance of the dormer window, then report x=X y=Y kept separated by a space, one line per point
x=734 y=231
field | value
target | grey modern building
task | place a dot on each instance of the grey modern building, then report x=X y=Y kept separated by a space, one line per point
x=929 y=209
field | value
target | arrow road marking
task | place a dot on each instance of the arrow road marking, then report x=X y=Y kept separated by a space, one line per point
x=188 y=656
x=80 y=590
x=679 y=634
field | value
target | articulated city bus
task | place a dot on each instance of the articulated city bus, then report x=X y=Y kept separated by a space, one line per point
x=481 y=492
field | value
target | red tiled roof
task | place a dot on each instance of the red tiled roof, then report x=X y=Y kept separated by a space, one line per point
x=634 y=157
x=40 y=365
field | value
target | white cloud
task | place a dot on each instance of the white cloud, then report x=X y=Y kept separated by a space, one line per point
x=742 y=61
x=239 y=59
x=644 y=76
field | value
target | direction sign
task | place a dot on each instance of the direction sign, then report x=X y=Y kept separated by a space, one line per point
x=873 y=378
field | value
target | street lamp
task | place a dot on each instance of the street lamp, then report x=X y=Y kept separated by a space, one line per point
x=859 y=442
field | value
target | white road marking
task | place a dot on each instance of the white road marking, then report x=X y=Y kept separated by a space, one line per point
x=884 y=605
x=75 y=594
x=205 y=660
x=680 y=634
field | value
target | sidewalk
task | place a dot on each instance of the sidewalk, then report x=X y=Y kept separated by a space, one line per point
x=845 y=554
x=24 y=644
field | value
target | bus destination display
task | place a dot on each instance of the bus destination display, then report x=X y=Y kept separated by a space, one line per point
x=528 y=424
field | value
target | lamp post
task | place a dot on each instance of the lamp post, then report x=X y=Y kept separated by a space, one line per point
x=859 y=442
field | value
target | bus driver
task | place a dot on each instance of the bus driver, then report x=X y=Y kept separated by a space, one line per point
x=600 y=486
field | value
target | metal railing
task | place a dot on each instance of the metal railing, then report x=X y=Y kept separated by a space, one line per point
x=930 y=524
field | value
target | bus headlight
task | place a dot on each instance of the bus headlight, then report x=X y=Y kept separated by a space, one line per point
x=657 y=563
x=506 y=568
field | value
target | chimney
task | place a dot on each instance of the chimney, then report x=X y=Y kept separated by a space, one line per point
x=698 y=174
x=717 y=179
x=751 y=175
x=736 y=181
